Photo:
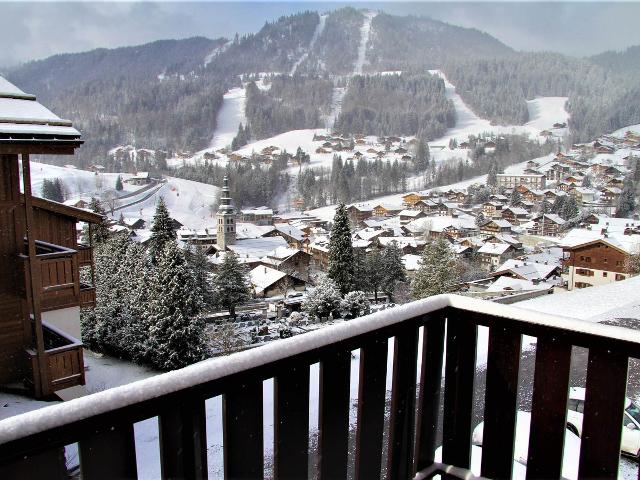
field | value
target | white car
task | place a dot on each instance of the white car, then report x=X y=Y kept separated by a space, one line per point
x=521 y=448
x=630 y=424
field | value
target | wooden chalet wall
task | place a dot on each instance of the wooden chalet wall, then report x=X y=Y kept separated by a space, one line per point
x=598 y=256
x=14 y=333
x=55 y=228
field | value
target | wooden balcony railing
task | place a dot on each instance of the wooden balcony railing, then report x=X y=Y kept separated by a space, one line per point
x=59 y=276
x=85 y=255
x=63 y=358
x=102 y=423
x=87 y=295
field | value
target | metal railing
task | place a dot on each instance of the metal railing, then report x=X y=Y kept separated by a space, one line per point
x=102 y=423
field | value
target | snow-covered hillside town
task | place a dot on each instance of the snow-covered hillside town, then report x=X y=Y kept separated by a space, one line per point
x=311 y=252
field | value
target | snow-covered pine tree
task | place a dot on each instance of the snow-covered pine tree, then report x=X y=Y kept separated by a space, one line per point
x=176 y=332
x=627 y=200
x=341 y=258
x=569 y=208
x=119 y=185
x=516 y=196
x=202 y=274
x=99 y=232
x=162 y=230
x=436 y=273
x=231 y=284
x=393 y=270
x=374 y=273
x=323 y=300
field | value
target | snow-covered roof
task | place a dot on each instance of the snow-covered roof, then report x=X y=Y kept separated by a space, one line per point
x=526 y=270
x=581 y=236
x=290 y=230
x=257 y=247
x=263 y=277
x=250 y=230
x=20 y=113
x=257 y=211
x=494 y=248
x=401 y=241
x=411 y=262
x=516 y=284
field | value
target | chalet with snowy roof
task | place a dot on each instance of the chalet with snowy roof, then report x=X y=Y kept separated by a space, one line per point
x=269 y=282
x=495 y=227
x=547 y=225
x=319 y=250
x=594 y=258
x=42 y=292
x=583 y=195
x=492 y=209
x=259 y=216
x=492 y=255
x=530 y=271
x=140 y=179
x=386 y=210
x=610 y=195
x=407 y=216
x=410 y=199
x=295 y=237
x=358 y=213
x=290 y=260
x=406 y=244
x=515 y=215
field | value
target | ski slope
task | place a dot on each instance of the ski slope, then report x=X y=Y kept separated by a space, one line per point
x=187 y=201
x=77 y=183
x=316 y=34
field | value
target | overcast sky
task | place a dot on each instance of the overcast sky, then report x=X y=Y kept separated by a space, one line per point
x=31 y=30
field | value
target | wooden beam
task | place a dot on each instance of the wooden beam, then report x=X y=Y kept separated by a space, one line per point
x=42 y=388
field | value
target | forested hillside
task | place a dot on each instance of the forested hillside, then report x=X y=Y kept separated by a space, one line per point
x=292 y=102
x=627 y=61
x=336 y=49
x=498 y=89
x=399 y=104
x=419 y=43
x=275 y=48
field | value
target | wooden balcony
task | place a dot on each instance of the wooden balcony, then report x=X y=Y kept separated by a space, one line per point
x=64 y=361
x=59 y=276
x=87 y=296
x=85 y=255
x=102 y=423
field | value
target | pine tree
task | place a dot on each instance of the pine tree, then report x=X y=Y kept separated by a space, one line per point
x=516 y=196
x=627 y=200
x=374 y=273
x=341 y=258
x=99 y=232
x=492 y=176
x=52 y=190
x=161 y=232
x=569 y=208
x=176 y=332
x=231 y=285
x=119 y=185
x=393 y=270
x=202 y=273
x=436 y=273
x=422 y=156
x=480 y=219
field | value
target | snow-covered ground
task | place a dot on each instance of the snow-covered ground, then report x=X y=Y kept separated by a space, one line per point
x=77 y=183
x=545 y=111
x=188 y=202
x=229 y=117
x=365 y=33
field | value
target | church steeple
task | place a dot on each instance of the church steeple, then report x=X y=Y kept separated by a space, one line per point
x=226 y=218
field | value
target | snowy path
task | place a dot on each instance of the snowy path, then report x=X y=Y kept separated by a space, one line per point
x=316 y=34
x=229 y=117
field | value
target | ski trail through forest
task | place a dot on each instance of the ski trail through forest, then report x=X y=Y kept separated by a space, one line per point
x=339 y=92
x=316 y=34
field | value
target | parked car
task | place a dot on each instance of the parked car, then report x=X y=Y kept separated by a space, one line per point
x=630 y=444
x=571 y=454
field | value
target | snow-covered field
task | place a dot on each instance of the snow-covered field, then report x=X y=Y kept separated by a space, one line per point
x=188 y=202
x=77 y=183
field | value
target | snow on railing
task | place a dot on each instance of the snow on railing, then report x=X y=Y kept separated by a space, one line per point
x=34 y=422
